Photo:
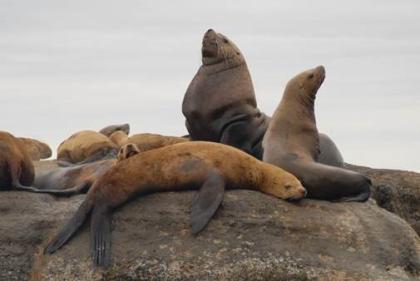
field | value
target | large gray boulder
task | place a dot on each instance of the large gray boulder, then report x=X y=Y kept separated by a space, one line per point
x=397 y=191
x=253 y=237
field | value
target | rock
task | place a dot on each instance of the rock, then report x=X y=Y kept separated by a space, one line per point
x=252 y=237
x=397 y=191
x=26 y=220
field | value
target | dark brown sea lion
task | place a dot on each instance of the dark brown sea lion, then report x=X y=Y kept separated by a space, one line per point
x=37 y=149
x=328 y=152
x=84 y=147
x=67 y=181
x=109 y=130
x=16 y=168
x=145 y=141
x=220 y=103
x=189 y=165
x=292 y=143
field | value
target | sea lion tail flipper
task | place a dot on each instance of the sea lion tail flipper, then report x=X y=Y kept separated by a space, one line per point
x=207 y=201
x=81 y=188
x=101 y=236
x=70 y=228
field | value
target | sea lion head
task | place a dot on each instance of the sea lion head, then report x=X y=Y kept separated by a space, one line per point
x=218 y=48
x=281 y=184
x=119 y=138
x=128 y=150
x=307 y=83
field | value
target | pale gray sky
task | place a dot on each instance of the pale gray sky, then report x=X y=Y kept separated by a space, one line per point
x=72 y=65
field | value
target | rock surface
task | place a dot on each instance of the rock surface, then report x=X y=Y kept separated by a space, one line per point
x=252 y=237
x=397 y=191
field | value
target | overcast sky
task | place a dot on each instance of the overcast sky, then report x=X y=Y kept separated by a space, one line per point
x=72 y=65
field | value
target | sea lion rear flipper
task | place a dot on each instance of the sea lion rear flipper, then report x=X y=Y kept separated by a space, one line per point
x=81 y=188
x=207 y=201
x=101 y=236
x=70 y=228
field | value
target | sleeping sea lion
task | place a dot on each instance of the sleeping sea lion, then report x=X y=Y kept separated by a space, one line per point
x=84 y=147
x=16 y=168
x=67 y=181
x=145 y=141
x=292 y=143
x=36 y=149
x=109 y=130
x=220 y=103
x=190 y=165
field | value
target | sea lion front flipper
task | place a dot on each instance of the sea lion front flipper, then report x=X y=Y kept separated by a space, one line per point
x=207 y=201
x=101 y=236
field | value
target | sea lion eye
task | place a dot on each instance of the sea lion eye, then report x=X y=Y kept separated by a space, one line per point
x=225 y=40
x=311 y=76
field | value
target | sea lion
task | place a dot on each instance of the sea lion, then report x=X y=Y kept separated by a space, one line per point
x=84 y=147
x=328 y=152
x=67 y=181
x=16 y=168
x=220 y=103
x=145 y=141
x=292 y=143
x=189 y=165
x=109 y=130
x=37 y=149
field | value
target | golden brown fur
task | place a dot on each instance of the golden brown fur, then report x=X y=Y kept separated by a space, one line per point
x=145 y=141
x=37 y=150
x=188 y=165
x=82 y=145
x=292 y=143
x=16 y=168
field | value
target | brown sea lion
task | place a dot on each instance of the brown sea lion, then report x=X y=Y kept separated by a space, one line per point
x=37 y=149
x=84 y=147
x=109 y=130
x=220 y=103
x=67 y=181
x=190 y=165
x=145 y=141
x=292 y=143
x=16 y=168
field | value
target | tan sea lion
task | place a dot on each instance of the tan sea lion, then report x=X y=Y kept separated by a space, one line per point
x=37 y=149
x=190 y=165
x=292 y=143
x=109 y=130
x=145 y=141
x=84 y=147
x=16 y=168
x=67 y=181
x=220 y=103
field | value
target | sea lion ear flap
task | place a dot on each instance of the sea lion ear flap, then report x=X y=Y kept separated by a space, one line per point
x=207 y=201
